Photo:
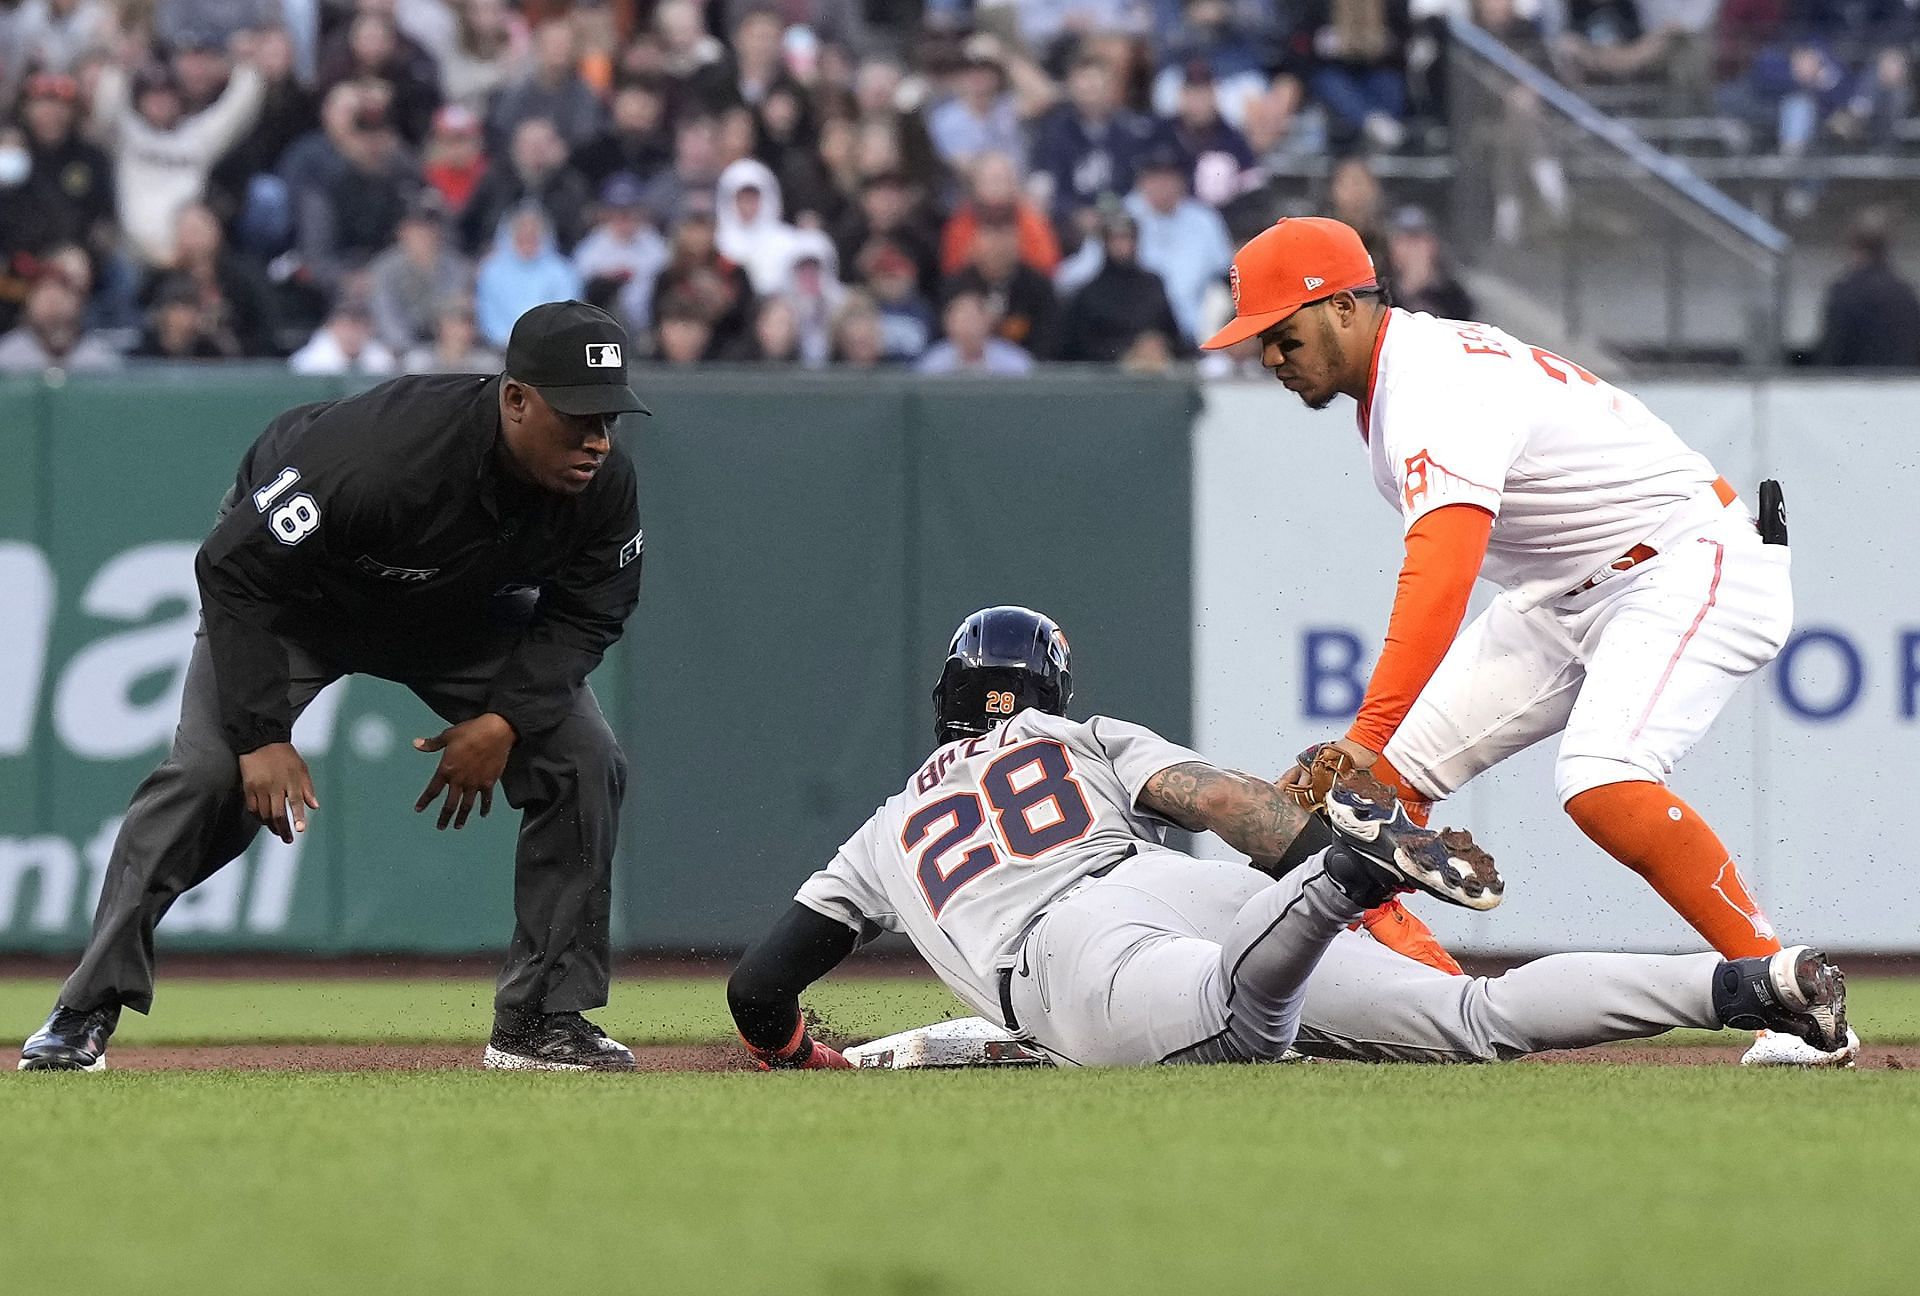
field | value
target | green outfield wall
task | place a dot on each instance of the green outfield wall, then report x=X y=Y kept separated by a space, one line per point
x=810 y=543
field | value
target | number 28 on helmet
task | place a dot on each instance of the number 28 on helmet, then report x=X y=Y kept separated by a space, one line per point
x=1002 y=661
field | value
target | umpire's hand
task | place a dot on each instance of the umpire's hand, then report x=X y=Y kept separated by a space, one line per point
x=278 y=788
x=473 y=754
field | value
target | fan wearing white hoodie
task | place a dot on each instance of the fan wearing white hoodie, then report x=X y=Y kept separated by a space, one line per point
x=750 y=232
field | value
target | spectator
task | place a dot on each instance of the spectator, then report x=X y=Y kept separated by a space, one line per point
x=838 y=22
x=857 y=340
x=787 y=141
x=523 y=270
x=814 y=292
x=1150 y=353
x=701 y=280
x=906 y=318
x=1881 y=99
x=887 y=211
x=1354 y=196
x=351 y=215
x=752 y=234
x=233 y=304
x=686 y=45
x=1181 y=239
x=177 y=329
x=456 y=344
x=776 y=334
x=639 y=140
x=1417 y=269
x=1214 y=50
x=1043 y=23
x=1360 y=73
x=488 y=50
x=455 y=160
x=1119 y=303
x=970 y=346
x=344 y=344
x=372 y=49
x=162 y=155
x=1872 y=316
x=1086 y=148
x=55 y=36
x=538 y=174
x=50 y=336
x=67 y=193
x=246 y=179
x=996 y=189
x=983 y=115
x=414 y=276
x=1020 y=298
x=552 y=91
x=622 y=256
x=1213 y=152
x=752 y=65
x=686 y=335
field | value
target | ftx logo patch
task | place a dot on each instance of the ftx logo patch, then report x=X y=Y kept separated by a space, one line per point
x=631 y=549
x=603 y=355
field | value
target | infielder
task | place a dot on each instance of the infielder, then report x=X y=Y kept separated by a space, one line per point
x=1637 y=590
x=473 y=537
x=1026 y=860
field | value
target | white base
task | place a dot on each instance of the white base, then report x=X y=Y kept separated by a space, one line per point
x=1772 y=1049
x=962 y=1042
x=499 y=1060
x=99 y=1064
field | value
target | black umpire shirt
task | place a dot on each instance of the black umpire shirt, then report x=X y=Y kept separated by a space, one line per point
x=385 y=533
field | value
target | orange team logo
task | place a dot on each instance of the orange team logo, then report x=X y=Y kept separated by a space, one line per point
x=1419 y=469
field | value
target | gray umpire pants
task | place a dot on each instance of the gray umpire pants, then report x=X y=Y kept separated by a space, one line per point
x=1175 y=959
x=188 y=820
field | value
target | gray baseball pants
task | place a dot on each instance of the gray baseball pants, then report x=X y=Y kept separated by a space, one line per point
x=1175 y=959
x=188 y=820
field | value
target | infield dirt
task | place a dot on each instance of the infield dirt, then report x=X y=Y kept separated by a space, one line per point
x=725 y=1057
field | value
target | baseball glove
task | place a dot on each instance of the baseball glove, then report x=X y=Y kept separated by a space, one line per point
x=1313 y=775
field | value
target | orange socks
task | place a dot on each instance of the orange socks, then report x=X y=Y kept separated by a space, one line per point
x=1657 y=835
x=1393 y=924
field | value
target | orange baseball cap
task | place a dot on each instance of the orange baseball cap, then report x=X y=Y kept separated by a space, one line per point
x=1296 y=260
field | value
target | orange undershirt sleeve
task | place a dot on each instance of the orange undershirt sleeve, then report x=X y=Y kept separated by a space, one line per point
x=1444 y=552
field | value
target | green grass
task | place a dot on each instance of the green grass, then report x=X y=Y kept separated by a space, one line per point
x=661 y=1010
x=664 y=1010
x=1321 y=1180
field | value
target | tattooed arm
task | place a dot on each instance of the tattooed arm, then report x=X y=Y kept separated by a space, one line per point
x=1249 y=814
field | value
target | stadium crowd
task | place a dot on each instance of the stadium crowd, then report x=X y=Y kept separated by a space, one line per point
x=955 y=185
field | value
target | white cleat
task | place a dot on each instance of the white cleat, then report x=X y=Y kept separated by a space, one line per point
x=1777 y=1049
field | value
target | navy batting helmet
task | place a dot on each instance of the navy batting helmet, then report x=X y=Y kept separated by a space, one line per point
x=1002 y=661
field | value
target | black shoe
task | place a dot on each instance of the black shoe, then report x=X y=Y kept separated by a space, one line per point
x=71 y=1040
x=563 y=1041
x=1796 y=992
x=1368 y=819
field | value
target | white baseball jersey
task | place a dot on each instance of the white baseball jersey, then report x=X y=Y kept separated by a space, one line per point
x=1575 y=471
x=987 y=833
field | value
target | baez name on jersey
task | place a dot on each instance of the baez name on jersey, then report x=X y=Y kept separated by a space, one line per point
x=943 y=760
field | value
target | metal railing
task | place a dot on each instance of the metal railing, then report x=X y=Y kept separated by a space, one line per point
x=1629 y=245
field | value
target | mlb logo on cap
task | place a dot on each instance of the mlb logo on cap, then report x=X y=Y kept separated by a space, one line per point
x=575 y=356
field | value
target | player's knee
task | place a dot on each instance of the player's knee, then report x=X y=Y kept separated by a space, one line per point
x=1574 y=774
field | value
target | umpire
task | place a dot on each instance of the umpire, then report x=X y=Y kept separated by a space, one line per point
x=474 y=538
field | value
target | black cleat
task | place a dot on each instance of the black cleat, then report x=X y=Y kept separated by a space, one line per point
x=72 y=1040
x=1795 y=992
x=563 y=1041
x=1369 y=821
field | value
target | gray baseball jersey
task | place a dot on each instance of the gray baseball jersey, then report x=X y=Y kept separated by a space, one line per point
x=988 y=833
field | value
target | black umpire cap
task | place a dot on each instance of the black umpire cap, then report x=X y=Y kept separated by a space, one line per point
x=575 y=356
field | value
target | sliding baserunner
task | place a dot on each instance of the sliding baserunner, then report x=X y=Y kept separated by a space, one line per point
x=1026 y=860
